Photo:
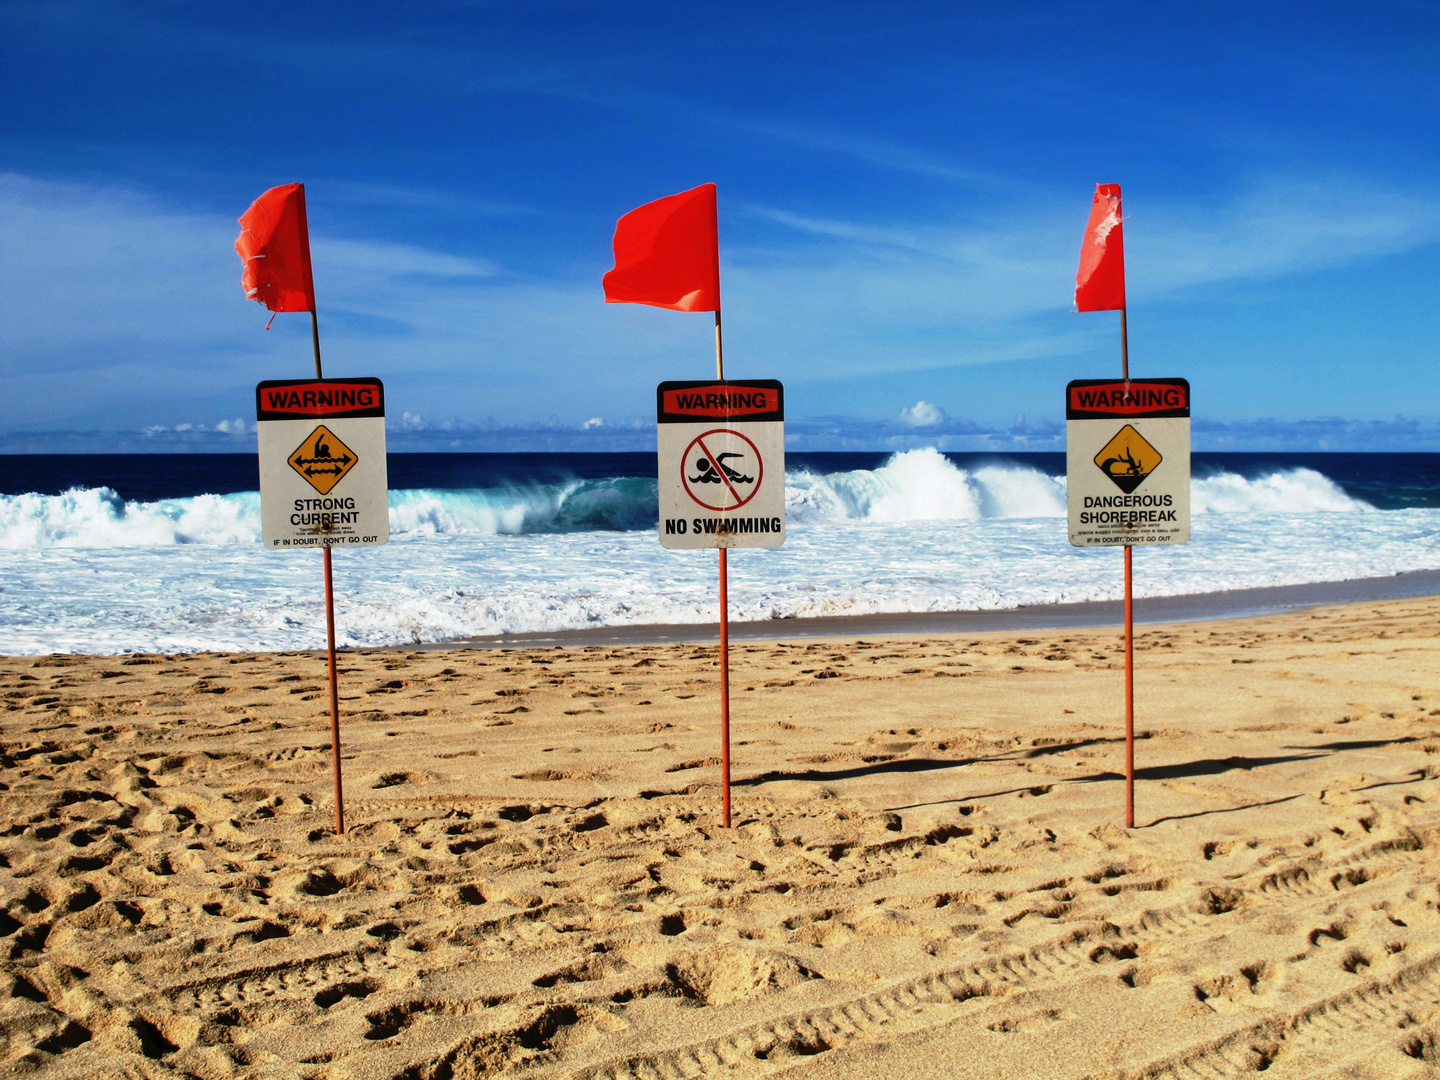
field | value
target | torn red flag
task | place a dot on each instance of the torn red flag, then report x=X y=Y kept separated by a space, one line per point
x=667 y=254
x=274 y=246
x=1100 y=284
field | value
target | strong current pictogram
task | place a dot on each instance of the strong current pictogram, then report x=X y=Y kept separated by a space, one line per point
x=721 y=469
x=1127 y=459
x=322 y=459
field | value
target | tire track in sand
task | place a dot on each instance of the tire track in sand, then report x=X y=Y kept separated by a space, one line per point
x=935 y=998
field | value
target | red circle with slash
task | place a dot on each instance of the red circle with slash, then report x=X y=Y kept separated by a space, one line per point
x=712 y=470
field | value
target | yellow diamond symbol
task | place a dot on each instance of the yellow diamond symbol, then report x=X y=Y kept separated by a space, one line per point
x=322 y=459
x=1128 y=459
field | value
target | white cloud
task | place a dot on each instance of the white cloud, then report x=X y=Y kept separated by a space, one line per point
x=923 y=414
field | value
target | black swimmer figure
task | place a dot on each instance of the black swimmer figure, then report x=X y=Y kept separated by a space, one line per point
x=731 y=473
x=708 y=475
x=1131 y=467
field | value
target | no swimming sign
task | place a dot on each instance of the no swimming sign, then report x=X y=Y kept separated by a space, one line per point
x=1127 y=461
x=722 y=463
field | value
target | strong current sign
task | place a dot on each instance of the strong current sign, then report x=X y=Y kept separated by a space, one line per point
x=1127 y=451
x=323 y=479
x=722 y=463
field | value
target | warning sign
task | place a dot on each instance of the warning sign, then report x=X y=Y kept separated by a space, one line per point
x=722 y=463
x=322 y=459
x=1128 y=461
x=322 y=463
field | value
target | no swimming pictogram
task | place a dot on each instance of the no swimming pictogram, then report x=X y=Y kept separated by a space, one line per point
x=721 y=469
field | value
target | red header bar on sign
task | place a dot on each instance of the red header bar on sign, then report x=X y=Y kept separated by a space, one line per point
x=1155 y=397
x=279 y=400
x=721 y=400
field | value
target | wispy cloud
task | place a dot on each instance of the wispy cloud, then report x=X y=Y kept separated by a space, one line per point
x=417 y=198
x=883 y=153
x=1021 y=262
x=1278 y=225
x=118 y=309
x=368 y=261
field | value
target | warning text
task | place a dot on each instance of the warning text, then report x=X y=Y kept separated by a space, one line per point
x=722 y=526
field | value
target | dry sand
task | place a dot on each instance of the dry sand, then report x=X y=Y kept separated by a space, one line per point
x=928 y=877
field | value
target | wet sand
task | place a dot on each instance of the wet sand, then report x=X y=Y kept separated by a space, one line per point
x=1197 y=607
x=928 y=874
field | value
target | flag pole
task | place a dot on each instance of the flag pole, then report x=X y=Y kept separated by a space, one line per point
x=1124 y=349
x=724 y=631
x=1129 y=631
x=315 y=340
x=330 y=638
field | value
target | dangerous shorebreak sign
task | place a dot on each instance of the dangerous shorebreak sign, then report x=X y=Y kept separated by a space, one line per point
x=1127 y=461
x=323 y=479
x=722 y=463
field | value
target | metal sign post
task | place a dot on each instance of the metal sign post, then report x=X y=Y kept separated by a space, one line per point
x=323 y=484
x=722 y=485
x=1127 y=466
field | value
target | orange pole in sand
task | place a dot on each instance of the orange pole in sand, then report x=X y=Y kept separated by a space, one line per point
x=1129 y=698
x=1129 y=630
x=334 y=700
x=330 y=640
x=724 y=633
x=724 y=688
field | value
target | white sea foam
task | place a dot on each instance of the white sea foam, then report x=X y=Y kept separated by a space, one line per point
x=916 y=485
x=99 y=518
x=922 y=485
x=87 y=571
x=1294 y=491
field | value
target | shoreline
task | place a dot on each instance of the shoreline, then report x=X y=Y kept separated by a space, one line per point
x=1219 y=606
x=1195 y=607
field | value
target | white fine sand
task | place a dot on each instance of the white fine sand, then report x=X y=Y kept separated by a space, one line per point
x=929 y=875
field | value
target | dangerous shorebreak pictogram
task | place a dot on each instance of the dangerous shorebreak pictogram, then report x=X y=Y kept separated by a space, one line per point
x=1128 y=459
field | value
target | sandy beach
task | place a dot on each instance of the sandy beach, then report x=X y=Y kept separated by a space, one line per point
x=928 y=874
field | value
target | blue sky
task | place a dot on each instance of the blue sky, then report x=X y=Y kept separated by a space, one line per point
x=902 y=192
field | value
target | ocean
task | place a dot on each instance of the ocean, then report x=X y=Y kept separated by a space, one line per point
x=161 y=553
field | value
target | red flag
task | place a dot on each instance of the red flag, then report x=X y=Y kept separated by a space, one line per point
x=667 y=254
x=274 y=245
x=1100 y=284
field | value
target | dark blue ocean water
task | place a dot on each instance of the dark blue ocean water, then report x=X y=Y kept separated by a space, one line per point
x=1386 y=481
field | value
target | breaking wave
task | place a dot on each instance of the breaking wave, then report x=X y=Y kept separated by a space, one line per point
x=923 y=485
x=916 y=485
x=616 y=503
x=1293 y=491
x=100 y=518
